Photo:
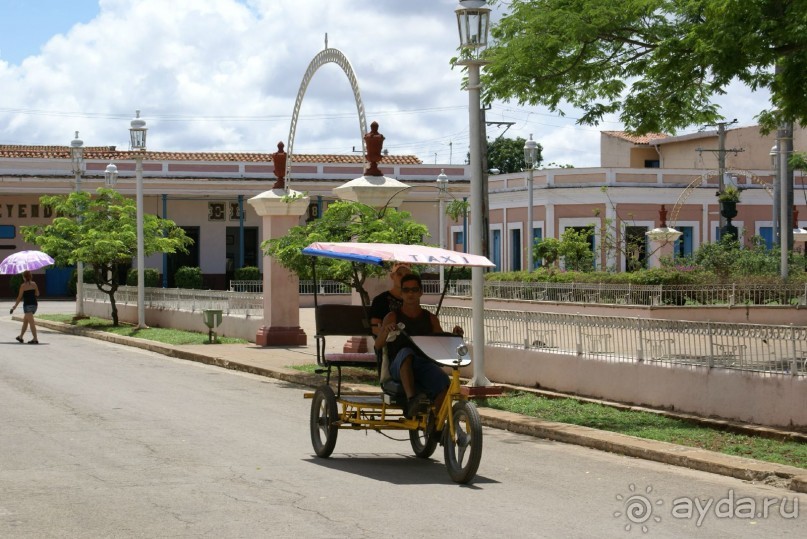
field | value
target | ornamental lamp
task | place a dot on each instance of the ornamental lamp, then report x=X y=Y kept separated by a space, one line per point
x=473 y=20
x=137 y=133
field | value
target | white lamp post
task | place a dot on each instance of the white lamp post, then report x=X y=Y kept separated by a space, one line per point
x=77 y=160
x=137 y=134
x=442 y=185
x=110 y=176
x=776 y=231
x=530 y=157
x=473 y=17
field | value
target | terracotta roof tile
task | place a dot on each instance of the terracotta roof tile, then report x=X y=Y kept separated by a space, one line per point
x=636 y=139
x=110 y=153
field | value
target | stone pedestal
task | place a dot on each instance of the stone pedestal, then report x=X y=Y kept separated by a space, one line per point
x=280 y=210
x=659 y=248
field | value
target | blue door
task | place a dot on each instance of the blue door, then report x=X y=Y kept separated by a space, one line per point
x=683 y=245
x=515 y=241
x=56 y=281
x=766 y=232
x=537 y=235
x=496 y=249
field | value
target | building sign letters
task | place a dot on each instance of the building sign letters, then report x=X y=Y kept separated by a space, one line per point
x=25 y=211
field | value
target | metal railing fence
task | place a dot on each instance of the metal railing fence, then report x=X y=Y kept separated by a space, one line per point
x=769 y=349
x=774 y=349
x=183 y=299
x=598 y=293
x=630 y=294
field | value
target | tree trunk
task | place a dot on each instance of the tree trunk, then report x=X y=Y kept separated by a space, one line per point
x=114 y=307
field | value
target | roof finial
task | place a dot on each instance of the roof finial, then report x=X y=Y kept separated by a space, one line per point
x=326 y=40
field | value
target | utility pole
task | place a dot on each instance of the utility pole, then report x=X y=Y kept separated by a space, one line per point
x=721 y=160
x=785 y=143
x=483 y=144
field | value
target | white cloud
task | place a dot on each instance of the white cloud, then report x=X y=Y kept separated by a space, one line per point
x=223 y=75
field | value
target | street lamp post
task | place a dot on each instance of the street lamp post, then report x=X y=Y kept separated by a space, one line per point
x=442 y=184
x=110 y=176
x=776 y=232
x=77 y=160
x=473 y=17
x=530 y=157
x=137 y=135
x=785 y=142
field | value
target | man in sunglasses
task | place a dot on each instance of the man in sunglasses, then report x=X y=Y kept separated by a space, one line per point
x=422 y=379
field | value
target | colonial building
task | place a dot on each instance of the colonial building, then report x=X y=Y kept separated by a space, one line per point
x=621 y=200
x=206 y=194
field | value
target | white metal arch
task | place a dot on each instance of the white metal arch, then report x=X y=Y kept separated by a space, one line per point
x=328 y=55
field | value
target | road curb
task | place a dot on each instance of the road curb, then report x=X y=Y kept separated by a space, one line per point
x=746 y=469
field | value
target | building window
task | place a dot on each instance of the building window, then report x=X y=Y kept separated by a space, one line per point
x=652 y=163
x=683 y=246
x=515 y=242
x=766 y=232
x=459 y=242
x=496 y=248
x=635 y=248
x=537 y=236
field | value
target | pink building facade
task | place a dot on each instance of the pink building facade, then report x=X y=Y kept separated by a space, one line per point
x=206 y=194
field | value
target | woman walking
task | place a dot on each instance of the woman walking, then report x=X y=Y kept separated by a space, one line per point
x=28 y=294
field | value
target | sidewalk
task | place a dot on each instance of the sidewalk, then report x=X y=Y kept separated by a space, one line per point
x=274 y=362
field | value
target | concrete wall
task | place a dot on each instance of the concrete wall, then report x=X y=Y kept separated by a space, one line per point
x=765 y=399
x=231 y=326
x=773 y=400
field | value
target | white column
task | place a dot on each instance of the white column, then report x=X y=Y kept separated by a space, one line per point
x=477 y=226
x=141 y=291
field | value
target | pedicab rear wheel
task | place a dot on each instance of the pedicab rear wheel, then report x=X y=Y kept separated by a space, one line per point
x=463 y=451
x=324 y=415
x=424 y=441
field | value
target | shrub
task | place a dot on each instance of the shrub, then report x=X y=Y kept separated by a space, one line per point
x=188 y=277
x=151 y=277
x=247 y=273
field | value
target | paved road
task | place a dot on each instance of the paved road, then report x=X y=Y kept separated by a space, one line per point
x=100 y=440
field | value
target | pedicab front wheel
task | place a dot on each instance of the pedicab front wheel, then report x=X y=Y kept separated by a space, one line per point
x=463 y=451
x=324 y=415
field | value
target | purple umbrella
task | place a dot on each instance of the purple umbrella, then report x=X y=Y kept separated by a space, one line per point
x=24 y=260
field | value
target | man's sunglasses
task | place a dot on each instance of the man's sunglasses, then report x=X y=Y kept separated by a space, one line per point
x=414 y=289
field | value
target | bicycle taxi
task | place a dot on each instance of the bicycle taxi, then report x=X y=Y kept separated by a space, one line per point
x=455 y=425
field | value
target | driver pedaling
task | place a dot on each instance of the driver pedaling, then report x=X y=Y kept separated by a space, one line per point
x=455 y=425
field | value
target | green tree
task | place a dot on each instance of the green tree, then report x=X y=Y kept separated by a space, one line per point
x=719 y=257
x=507 y=155
x=101 y=230
x=659 y=63
x=575 y=249
x=458 y=209
x=548 y=250
x=344 y=221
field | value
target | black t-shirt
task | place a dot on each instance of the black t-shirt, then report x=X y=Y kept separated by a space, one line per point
x=421 y=325
x=383 y=304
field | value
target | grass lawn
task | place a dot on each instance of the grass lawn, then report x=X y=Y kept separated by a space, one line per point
x=652 y=427
x=163 y=335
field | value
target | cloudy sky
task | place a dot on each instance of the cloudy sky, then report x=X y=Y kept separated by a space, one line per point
x=223 y=75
